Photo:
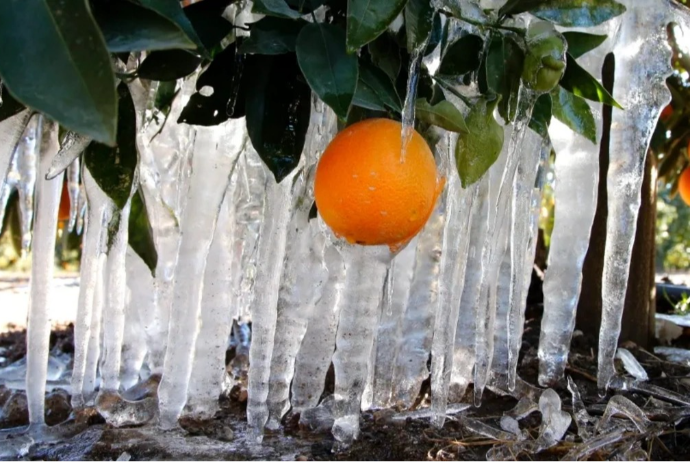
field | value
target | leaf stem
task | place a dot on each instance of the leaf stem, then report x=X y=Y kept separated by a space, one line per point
x=517 y=30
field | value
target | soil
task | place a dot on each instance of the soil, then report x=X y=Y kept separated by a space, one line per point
x=384 y=434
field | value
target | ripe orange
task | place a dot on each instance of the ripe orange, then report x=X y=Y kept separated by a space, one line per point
x=63 y=211
x=367 y=194
x=684 y=186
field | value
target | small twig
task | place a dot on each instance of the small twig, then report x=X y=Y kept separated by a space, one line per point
x=581 y=373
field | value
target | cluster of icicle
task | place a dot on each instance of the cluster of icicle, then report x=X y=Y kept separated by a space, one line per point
x=233 y=245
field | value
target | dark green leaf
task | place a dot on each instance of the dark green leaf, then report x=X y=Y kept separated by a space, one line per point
x=541 y=115
x=366 y=97
x=379 y=82
x=442 y=114
x=419 y=19
x=208 y=22
x=385 y=54
x=462 y=56
x=9 y=106
x=330 y=71
x=313 y=211
x=277 y=8
x=367 y=19
x=569 y=13
x=580 y=43
x=278 y=109
x=129 y=27
x=503 y=70
x=114 y=168
x=141 y=234
x=165 y=95
x=272 y=36
x=168 y=65
x=53 y=59
x=305 y=6
x=172 y=11
x=224 y=77
x=581 y=83
x=479 y=149
x=574 y=112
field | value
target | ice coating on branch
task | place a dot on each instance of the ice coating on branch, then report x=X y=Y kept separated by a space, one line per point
x=642 y=91
x=74 y=190
x=632 y=366
x=366 y=268
x=215 y=154
x=11 y=130
x=43 y=254
x=87 y=322
x=316 y=350
x=27 y=165
x=71 y=146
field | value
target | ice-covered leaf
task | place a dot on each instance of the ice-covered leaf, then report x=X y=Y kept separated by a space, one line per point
x=419 y=21
x=385 y=55
x=569 y=13
x=278 y=108
x=541 y=115
x=503 y=70
x=114 y=168
x=581 y=83
x=443 y=114
x=141 y=233
x=272 y=36
x=54 y=60
x=9 y=106
x=479 y=149
x=462 y=56
x=130 y=27
x=277 y=8
x=580 y=43
x=367 y=19
x=222 y=80
x=167 y=65
x=574 y=112
x=305 y=6
x=208 y=22
x=172 y=11
x=379 y=82
x=331 y=72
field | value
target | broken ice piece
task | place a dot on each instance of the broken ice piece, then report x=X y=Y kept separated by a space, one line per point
x=479 y=427
x=584 y=450
x=583 y=420
x=620 y=405
x=555 y=422
x=676 y=355
x=511 y=425
x=523 y=408
x=632 y=366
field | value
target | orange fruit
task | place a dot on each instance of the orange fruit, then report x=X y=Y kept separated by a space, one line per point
x=666 y=113
x=684 y=186
x=63 y=211
x=367 y=193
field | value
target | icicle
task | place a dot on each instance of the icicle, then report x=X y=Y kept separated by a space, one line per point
x=100 y=208
x=71 y=146
x=501 y=293
x=9 y=185
x=316 y=350
x=411 y=97
x=365 y=272
x=215 y=154
x=27 y=164
x=81 y=209
x=217 y=313
x=93 y=353
x=390 y=324
x=11 y=130
x=73 y=189
x=40 y=303
x=643 y=93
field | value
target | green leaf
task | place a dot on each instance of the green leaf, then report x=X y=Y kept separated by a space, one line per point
x=165 y=95
x=442 y=114
x=581 y=83
x=172 y=11
x=504 y=64
x=479 y=149
x=278 y=110
x=330 y=71
x=385 y=55
x=462 y=56
x=53 y=59
x=141 y=233
x=305 y=6
x=114 y=168
x=379 y=82
x=224 y=77
x=580 y=43
x=167 y=65
x=366 y=97
x=129 y=27
x=277 y=8
x=272 y=36
x=367 y=19
x=208 y=22
x=574 y=112
x=9 y=106
x=419 y=20
x=541 y=115
x=569 y=13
